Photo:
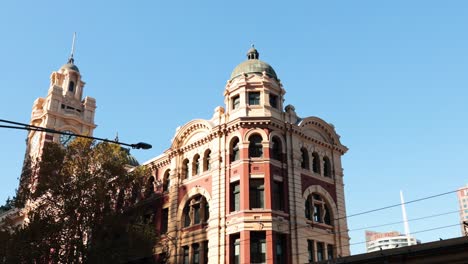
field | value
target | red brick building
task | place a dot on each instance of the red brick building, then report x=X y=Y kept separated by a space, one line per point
x=256 y=183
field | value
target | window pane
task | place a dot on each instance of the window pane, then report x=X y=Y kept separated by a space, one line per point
x=274 y=101
x=235 y=102
x=254 y=98
x=235 y=196
x=255 y=146
x=196 y=254
x=310 y=249
x=165 y=220
x=256 y=194
x=196 y=210
x=186 y=255
x=235 y=150
x=257 y=247
x=320 y=251
x=278 y=194
x=330 y=251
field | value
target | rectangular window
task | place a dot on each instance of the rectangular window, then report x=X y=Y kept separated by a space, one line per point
x=205 y=252
x=317 y=213
x=257 y=191
x=235 y=248
x=330 y=251
x=257 y=247
x=196 y=214
x=311 y=250
x=164 y=220
x=320 y=251
x=280 y=253
x=273 y=101
x=235 y=102
x=235 y=196
x=278 y=196
x=196 y=254
x=254 y=98
x=186 y=259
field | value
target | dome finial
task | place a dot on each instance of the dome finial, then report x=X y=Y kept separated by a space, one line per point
x=252 y=54
x=71 y=59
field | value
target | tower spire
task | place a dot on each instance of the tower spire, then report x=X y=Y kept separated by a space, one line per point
x=405 y=218
x=71 y=59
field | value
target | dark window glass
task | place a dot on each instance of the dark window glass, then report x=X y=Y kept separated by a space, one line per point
x=164 y=220
x=149 y=187
x=308 y=206
x=310 y=249
x=254 y=98
x=255 y=146
x=71 y=86
x=205 y=252
x=206 y=211
x=327 y=215
x=274 y=101
x=326 y=167
x=166 y=181
x=186 y=259
x=196 y=214
x=316 y=162
x=185 y=167
x=278 y=196
x=318 y=210
x=196 y=211
x=257 y=247
x=318 y=213
x=196 y=254
x=196 y=165
x=280 y=249
x=207 y=161
x=235 y=149
x=305 y=159
x=320 y=251
x=187 y=216
x=277 y=149
x=235 y=248
x=235 y=102
x=235 y=196
x=330 y=251
x=257 y=193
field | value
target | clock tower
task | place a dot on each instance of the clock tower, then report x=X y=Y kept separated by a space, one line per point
x=63 y=109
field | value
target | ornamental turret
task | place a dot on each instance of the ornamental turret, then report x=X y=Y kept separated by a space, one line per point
x=253 y=90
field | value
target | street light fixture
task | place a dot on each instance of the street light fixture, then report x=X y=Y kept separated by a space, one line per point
x=22 y=126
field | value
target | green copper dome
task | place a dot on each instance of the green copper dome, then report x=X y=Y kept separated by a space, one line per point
x=70 y=65
x=253 y=65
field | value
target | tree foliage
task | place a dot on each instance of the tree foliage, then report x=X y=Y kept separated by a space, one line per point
x=85 y=206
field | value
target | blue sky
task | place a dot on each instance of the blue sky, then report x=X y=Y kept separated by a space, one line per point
x=390 y=75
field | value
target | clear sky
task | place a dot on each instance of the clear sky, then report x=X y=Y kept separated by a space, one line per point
x=390 y=75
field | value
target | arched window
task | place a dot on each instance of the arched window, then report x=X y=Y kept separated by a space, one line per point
x=317 y=209
x=255 y=146
x=71 y=86
x=166 y=181
x=315 y=163
x=276 y=150
x=185 y=169
x=196 y=211
x=206 y=160
x=196 y=165
x=327 y=167
x=149 y=188
x=235 y=152
x=305 y=159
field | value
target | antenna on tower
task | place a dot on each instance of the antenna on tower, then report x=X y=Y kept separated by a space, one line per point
x=405 y=218
x=71 y=59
